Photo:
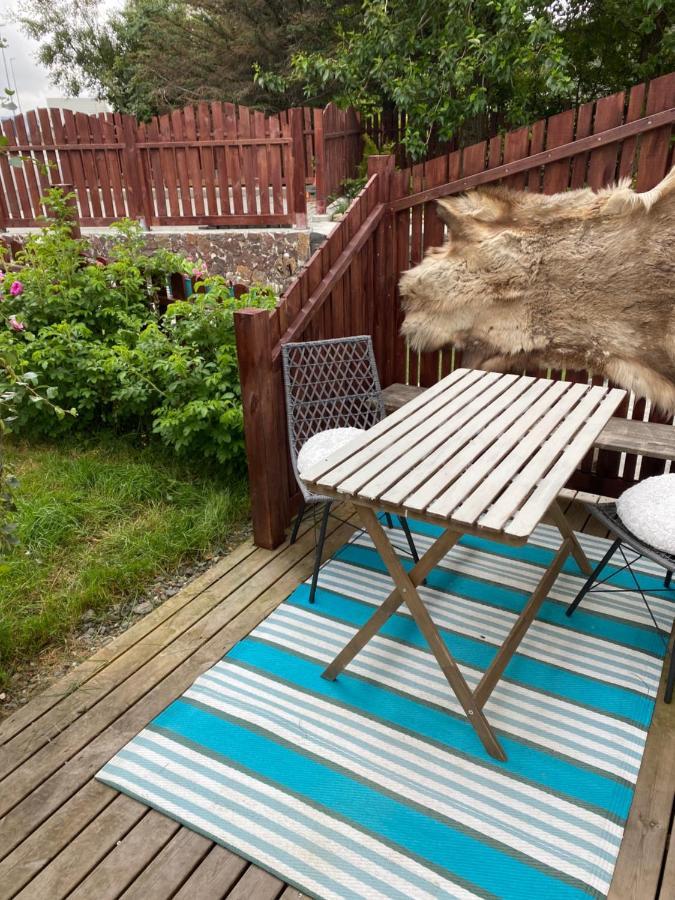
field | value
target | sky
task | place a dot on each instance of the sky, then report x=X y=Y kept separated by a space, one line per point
x=32 y=80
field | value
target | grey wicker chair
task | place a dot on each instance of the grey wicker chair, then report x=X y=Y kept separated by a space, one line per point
x=606 y=514
x=330 y=384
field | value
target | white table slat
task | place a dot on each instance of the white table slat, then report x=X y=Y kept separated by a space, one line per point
x=445 y=453
x=375 y=442
x=483 y=450
x=530 y=514
x=372 y=481
x=498 y=479
x=513 y=497
x=506 y=440
x=485 y=433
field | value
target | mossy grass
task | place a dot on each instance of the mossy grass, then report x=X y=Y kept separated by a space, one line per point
x=97 y=523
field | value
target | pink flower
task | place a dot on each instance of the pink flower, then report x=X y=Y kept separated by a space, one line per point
x=199 y=270
x=16 y=288
x=15 y=325
x=2 y=275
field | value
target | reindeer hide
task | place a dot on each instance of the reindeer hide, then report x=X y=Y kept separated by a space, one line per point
x=578 y=280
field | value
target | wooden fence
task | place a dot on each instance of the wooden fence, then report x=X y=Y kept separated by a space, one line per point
x=213 y=164
x=350 y=284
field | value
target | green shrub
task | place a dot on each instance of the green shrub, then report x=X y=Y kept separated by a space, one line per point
x=93 y=332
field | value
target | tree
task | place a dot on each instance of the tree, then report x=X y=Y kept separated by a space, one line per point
x=476 y=65
x=153 y=55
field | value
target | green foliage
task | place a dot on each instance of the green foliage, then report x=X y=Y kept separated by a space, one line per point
x=97 y=522
x=147 y=56
x=94 y=334
x=463 y=66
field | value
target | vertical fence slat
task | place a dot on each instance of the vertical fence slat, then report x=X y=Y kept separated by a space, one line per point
x=181 y=163
x=584 y=127
x=194 y=162
x=275 y=160
x=602 y=163
x=168 y=166
x=560 y=131
x=207 y=158
x=19 y=173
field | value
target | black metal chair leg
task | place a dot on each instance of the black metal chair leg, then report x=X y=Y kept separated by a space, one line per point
x=669 y=578
x=298 y=520
x=592 y=577
x=319 y=550
x=409 y=538
x=670 y=683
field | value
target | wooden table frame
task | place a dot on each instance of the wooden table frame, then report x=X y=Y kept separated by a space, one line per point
x=405 y=591
x=479 y=453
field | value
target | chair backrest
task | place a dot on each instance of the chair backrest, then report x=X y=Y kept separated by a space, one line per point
x=329 y=384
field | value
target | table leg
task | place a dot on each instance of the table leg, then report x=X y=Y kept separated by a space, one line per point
x=406 y=591
x=567 y=532
x=496 y=668
x=387 y=609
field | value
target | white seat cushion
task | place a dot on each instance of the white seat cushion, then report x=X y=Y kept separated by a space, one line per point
x=321 y=445
x=648 y=510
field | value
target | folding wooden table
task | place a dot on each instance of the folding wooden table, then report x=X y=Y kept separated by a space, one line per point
x=479 y=453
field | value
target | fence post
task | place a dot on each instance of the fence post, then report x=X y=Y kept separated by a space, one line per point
x=297 y=124
x=138 y=198
x=383 y=166
x=320 y=181
x=265 y=438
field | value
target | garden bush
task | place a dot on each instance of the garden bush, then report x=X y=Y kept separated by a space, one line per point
x=94 y=333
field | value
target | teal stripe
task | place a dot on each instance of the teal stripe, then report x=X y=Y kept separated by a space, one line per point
x=613 y=699
x=493 y=870
x=489 y=593
x=603 y=793
x=499 y=807
x=542 y=556
x=306 y=843
x=603 y=660
x=536 y=731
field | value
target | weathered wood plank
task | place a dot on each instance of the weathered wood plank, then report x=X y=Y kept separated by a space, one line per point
x=173 y=865
x=625 y=435
x=128 y=858
x=214 y=876
x=89 y=743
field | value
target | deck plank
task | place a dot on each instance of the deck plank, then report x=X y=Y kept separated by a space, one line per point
x=128 y=858
x=81 y=855
x=65 y=832
x=227 y=624
x=52 y=836
x=172 y=866
x=256 y=883
x=66 y=686
x=214 y=877
x=130 y=652
x=127 y=679
x=643 y=848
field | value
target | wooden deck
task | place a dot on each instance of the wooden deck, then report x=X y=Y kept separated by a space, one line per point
x=64 y=834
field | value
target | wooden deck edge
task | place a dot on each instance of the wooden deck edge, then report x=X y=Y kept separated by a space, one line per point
x=55 y=695
x=51 y=800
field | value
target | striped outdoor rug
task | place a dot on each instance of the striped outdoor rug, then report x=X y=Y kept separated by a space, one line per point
x=375 y=785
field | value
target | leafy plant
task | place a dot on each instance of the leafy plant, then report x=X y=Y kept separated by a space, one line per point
x=95 y=334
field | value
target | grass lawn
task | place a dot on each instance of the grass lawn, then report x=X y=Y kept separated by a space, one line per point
x=96 y=526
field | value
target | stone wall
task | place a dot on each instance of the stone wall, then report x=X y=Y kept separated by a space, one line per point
x=272 y=256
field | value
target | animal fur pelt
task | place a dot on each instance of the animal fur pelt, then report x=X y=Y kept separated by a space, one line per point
x=579 y=280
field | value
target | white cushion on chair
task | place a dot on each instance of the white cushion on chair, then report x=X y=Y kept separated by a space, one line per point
x=648 y=510
x=321 y=445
